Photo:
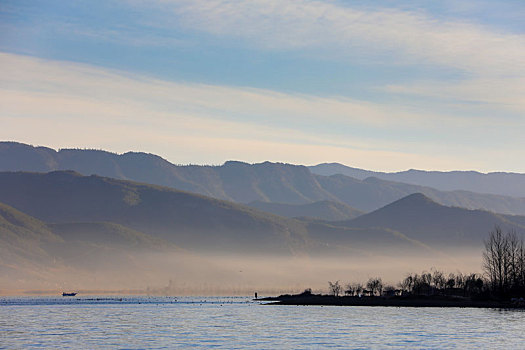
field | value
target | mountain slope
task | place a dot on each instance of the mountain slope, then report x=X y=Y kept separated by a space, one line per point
x=372 y=193
x=497 y=183
x=181 y=217
x=118 y=232
x=34 y=254
x=329 y=169
x=90 y=257
x=245 y=183
x=188 y=220
x=98 y=234
x=22 y=239
x=420 y=218
x=26 y=237
x=235 y=181
x=323 y=210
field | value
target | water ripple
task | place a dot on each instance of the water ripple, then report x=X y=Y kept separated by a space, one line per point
x=238 y=323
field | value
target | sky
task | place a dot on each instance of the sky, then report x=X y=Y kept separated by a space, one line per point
x=382 y=85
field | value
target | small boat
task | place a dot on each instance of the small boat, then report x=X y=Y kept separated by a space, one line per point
x=72 y=294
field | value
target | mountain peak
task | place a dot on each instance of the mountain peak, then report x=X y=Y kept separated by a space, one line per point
x=235 y=163
x=72 y=173
x=418 y=196
x=413 y=200
x=407 y=209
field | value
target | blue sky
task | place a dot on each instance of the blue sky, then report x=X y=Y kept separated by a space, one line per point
x=384 y=85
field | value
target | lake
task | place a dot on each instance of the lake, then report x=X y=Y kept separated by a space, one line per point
x=238 y=323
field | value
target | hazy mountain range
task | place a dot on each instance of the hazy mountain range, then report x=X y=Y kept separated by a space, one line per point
x=180 y=217
x=62 y=225
x=500 y=183
x=107 y=227
x=419 y=217
x=322 y=210
x=35 y=253
x=245 y=183
x=72 y=202
x=93 y=231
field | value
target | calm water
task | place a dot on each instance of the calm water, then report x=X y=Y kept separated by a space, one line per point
x=238 y=323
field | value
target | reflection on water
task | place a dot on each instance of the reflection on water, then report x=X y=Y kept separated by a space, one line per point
x=236 y=322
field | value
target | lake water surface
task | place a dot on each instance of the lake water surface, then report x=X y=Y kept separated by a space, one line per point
x=239 y=323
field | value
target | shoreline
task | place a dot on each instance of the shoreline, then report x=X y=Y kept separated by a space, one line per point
x=394 y=301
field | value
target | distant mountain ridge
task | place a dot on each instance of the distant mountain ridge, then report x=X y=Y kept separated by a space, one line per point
x=92 y=209
x=183 y=218
x=323 y=210
x=244 y=183
x=234 y=181
x=34 y=250
x=372 y=193
x=96 y=204
x=421 y=218
x=74 y=225
x=498 y=183
x=92 y=255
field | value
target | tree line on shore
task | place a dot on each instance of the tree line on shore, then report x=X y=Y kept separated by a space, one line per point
x=503 y=276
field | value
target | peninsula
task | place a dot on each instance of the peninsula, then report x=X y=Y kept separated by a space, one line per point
x=395 y=301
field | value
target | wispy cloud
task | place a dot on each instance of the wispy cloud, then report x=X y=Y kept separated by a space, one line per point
x=407 y=37
x=102 y=87
x=489 y=63
x=448 y=59
x=65 y=104
x=484 y=93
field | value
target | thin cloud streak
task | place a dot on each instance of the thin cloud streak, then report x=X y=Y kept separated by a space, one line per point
x=409 y=37
x=63 y=104
x=490 y=63
x=106 y=88
x=497 y=94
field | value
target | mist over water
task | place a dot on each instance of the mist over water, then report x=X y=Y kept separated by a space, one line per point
x=183 y=273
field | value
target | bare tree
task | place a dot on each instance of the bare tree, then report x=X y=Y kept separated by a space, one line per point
x=375 y=285
x=389 y=289
x=349 y=289
x=521 y=264
x=438 y=279
x=495 y=259
x=353 y=289
x=460 y=280
x=335 y=288
x=407 y=283
x=358 y=288
x=513 y=252
x=451 y=281
x=426 y=278
x=504 y=262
